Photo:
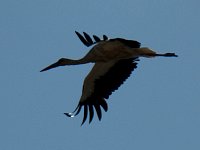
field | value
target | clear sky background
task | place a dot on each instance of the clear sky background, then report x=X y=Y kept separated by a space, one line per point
x=157 y=108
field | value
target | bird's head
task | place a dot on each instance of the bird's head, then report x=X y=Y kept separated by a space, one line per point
x=60 y=62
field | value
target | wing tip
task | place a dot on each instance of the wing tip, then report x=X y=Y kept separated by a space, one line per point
x=89 y=110
x=71 y=115
x=88 y=41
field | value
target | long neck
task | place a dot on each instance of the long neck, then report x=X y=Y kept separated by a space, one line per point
x=67 y=61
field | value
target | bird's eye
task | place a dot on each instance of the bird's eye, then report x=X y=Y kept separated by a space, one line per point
x=61 y=60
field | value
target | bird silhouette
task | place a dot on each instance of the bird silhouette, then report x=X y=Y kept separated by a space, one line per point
x=114 y=60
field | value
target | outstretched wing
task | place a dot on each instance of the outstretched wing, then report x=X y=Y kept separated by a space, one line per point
x=103 y=79
x=87 y=40
x=128 y=43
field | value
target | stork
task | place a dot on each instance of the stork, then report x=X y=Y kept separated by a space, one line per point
x=114 y=60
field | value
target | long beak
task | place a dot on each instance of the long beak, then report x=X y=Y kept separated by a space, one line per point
x=54 y=65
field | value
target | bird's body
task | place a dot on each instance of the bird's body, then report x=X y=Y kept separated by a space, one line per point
x=114 y=60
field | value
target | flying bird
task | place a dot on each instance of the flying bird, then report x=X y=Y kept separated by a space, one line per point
x=114 y=60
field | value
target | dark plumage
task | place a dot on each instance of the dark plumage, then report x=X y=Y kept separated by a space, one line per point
x=114 y=60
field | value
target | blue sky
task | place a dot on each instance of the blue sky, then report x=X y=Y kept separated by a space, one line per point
x=157 y=108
